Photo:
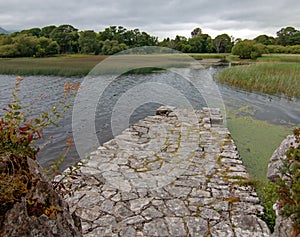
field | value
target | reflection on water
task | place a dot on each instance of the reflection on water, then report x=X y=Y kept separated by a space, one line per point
x=274 y=110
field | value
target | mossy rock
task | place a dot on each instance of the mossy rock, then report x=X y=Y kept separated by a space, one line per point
x=29 y=204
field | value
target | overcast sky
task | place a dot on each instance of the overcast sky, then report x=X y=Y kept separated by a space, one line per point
x=162 y=18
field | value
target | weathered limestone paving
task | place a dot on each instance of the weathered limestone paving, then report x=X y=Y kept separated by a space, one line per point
x=177 y=173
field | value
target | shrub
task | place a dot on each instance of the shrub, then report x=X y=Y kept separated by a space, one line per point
x=17 y=136
x=276 y=49
x=295 y=49
x=9 y=50
x=248 y=49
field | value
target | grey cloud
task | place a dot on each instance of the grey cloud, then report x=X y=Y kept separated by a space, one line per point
x=156 y=16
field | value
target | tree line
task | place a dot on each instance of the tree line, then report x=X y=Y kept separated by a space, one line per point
x=65 y=39
x=287 y=41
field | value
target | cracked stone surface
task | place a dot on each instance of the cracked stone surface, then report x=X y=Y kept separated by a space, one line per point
x=177 y=173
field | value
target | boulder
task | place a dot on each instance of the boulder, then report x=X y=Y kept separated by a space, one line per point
x=41 y=212
x=283 y=226
x=277 y=158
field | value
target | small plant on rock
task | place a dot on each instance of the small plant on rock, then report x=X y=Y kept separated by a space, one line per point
x=289 y=184
x=17 y=137
x=268 y=196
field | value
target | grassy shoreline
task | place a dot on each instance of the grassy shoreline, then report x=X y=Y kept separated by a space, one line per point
x=77 y=65
x=80 y=64
x=276 y=74
x=274 y=78
x=68 y=66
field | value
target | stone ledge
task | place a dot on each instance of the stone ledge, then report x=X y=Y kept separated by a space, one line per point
x=177 y=173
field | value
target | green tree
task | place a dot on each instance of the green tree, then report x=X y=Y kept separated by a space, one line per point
x=288 y=36
x=52 y=48
x=135 y=38
x=67 y=38
x=295 y=39
x=196 y=32
x=23 y=45
x=222 y=43
x=46 y=47
x=27 y=46
x=33 y=32
x=8 y=51
x=208 y=43
x=112 y=46
x=5 y=39
x=120 y=34
x=167 y=42
x=47 y=30
x=113 y=33
x=180 y=38
x=264 y=39
x=201 y=44
x=144 y=39
x=248 y=49
x=181 y=44
x=132 y=38
x=87 y=41
x=196 y=44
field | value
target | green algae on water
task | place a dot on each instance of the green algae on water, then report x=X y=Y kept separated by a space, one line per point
x=256 y=140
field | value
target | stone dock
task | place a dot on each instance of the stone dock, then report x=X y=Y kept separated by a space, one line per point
x=177 y=173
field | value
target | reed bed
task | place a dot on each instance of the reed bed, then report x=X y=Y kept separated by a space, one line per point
x=71 y=65
x=80 y=65
x=279 y=58
x=274 y=78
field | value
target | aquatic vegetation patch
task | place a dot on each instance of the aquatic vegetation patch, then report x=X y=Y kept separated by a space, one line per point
x=274 y=78
x=256 y=141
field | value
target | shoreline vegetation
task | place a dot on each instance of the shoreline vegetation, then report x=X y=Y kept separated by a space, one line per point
x=62 y=65
x=79 y=65
x=71 y=65
x=274 y=78
x=275 y=74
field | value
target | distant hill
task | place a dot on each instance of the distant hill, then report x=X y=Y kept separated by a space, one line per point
x=3 y=31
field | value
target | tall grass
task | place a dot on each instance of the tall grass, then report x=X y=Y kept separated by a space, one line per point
x=71 y=65
x=201 y=56
x=267 y=58
x=279 y=58
x=276 y=78
x=81 y=65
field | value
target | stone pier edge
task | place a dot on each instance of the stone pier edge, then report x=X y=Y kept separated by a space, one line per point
x=167 y=177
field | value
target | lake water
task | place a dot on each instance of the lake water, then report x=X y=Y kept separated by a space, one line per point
x=238 y=103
